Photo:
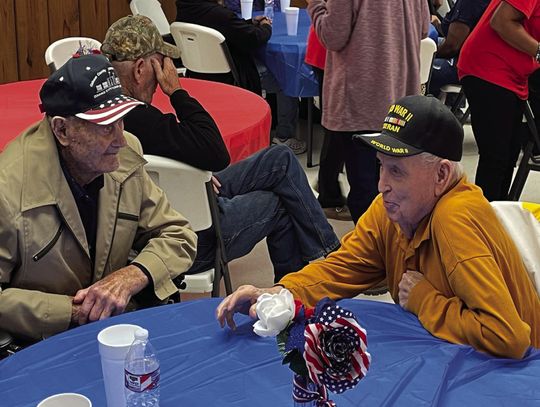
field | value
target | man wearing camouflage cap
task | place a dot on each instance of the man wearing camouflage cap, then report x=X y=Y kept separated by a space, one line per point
x=76 y=201
x=433 y=236
x=266 y=195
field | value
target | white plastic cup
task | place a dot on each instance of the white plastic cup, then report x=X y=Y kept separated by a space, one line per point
x=291 y=17
x=246 y=7
x=66 y=400
x=284 y=4
x=114 y=343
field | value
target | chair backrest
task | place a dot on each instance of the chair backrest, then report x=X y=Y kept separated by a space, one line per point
x=203 y=49
x=59 y=52
x=522 y=222
x=427 y=54
x=152 y=9
x=185 y=187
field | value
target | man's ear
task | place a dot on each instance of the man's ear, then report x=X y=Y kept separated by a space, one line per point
x=443 y=176
x=138 y=69
x=58 y=126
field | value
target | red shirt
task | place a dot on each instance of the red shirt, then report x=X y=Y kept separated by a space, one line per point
x=487 y=56
x=315 y=52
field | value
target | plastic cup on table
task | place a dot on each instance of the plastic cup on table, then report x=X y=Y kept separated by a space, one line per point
x=246 y=7
x=284 y=4
x=114 y=343
x=291 y=18
x=66 y=400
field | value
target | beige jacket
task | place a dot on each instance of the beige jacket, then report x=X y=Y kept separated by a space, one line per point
x=44 y=257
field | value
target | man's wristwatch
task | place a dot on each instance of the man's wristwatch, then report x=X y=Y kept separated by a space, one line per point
x=537 y=56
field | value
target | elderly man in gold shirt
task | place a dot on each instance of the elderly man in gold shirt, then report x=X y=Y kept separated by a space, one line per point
x=433 y=236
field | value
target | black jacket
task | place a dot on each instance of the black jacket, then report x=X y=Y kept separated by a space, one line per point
x=242 y=38
x=195 y=140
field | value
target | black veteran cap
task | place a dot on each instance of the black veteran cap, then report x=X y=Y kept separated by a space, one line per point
x=87 y=87
x=417 y=124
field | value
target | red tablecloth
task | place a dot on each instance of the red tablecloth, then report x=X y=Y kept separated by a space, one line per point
x=242 y=117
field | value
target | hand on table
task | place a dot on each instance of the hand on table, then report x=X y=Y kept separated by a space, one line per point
x=242 y=300
x=166 y=76
x=408 y=281
x=109 y=296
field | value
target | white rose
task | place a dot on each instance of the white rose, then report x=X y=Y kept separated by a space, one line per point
x=275 y=311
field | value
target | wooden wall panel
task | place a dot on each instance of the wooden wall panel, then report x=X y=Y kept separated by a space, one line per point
x=118 y=9
x=63 y=19
x=94 y=17
x=32 y=24
x=8 y=42
x=169 y=8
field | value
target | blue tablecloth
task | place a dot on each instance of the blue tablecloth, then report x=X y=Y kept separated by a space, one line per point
x=204 y=365
x=284 y=56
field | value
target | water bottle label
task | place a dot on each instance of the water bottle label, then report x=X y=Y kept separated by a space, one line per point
x=139 y=383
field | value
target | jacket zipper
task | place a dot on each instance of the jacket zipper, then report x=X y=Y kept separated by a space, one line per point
x=115 y=223
x=46 y=249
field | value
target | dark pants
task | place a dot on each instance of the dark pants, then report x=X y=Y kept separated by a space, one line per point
x=362 y=171
x=331 y=163
x=496 y=115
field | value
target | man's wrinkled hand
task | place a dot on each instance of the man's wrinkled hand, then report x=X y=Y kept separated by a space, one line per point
x=166 y=76
x=109 y=296
x=408 y=281
x=243 y=300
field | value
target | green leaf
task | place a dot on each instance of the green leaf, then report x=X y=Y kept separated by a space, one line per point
x=296 y=362
x=281 y=339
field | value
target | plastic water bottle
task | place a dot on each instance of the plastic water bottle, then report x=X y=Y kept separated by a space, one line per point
x=269 y=9
x=141 y=373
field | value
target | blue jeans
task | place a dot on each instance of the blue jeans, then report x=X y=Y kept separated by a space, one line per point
x=268 y=195
x=444 y=72
x=287 y=106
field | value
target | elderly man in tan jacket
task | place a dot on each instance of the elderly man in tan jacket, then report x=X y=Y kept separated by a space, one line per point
x=75 y=202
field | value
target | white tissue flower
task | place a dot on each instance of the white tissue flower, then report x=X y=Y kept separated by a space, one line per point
x=275 y=311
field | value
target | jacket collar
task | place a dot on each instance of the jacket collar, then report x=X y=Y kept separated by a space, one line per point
x=41 y=158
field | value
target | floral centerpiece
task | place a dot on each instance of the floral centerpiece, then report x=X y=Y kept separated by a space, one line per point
x=324 y=346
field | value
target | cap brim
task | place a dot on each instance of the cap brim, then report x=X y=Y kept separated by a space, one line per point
x=388 y=144
x=169 y=50
x=115 y=110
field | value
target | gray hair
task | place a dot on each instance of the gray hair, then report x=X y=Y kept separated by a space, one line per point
x=429 y=160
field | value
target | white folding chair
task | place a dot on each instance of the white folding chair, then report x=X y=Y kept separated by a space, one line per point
x=59 y=52
x=427 y=54
x=152 y=9
x=522 y=222
x=191 y=193
x=203 y=49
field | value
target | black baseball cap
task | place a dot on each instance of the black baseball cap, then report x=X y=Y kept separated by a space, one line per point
x=86 y=86
x=417 y=124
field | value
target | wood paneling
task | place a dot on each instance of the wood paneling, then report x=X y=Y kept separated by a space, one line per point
x=32 y=25
x=169 y=8
x=94 y=17
x=118 y=9
x=8 y=42
x=29 y=26
x=63 y=19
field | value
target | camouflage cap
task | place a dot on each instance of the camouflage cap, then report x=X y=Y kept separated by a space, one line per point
x=133 y=37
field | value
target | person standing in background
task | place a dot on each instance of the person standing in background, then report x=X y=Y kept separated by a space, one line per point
x=494 y=66
x=332 y=154
x=373 y=50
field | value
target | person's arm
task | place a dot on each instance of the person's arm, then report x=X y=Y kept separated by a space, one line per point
x=457 y=34
x=481 y=312
x=333 y=22
x=242 y=34
x=165 y=243
x=195 y=140
x=356 y=266
x=507 y=21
